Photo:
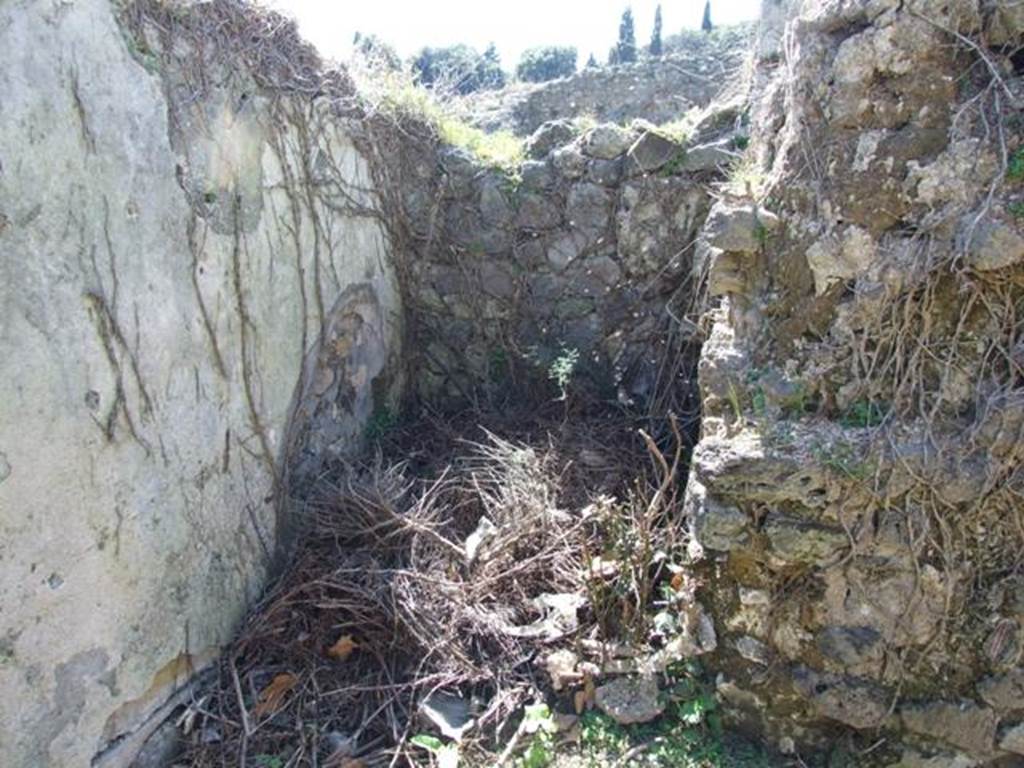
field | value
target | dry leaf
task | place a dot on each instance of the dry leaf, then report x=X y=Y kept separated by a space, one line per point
x=271 y=697
x=342 y=649
x=677 y=582
x=352 y=762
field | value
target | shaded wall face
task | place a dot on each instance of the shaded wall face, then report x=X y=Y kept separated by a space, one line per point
x=155 y=343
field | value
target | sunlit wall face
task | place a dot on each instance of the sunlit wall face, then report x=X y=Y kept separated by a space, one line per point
x=590 y=25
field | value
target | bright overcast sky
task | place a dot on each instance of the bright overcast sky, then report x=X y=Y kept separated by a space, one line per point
x=590 y=25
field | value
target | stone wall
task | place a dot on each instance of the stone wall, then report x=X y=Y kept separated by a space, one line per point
x=587 y=247
x=658 y=90
x=855 y=497
x=192 y=288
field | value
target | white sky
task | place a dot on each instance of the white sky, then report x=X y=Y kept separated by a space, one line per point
x=590 y=25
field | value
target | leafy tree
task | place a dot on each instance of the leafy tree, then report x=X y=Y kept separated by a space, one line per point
x=591 y=62
x=459 y=68
x=376 y=52
x=706 y=24
x=492 y=76
x=655 y=46
x=546 y=63
x=625 y=49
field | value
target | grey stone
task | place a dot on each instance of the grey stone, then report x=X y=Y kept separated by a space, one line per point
x=450 y=714
x=1004 y=692
x=651 y=152
x=606 y=141
x=800 y=541
x=588 y=210
x=1012 y=739
x=714 y=156
x=858 y=650
x=1005 y=24
x=857 y=703
x=964 y=725
x=605 y=268
x=738 y=228
x=565 y=249
x=607 y=173
x=536 y=212
x=993 y=244
x=549 y=136
x=495 y=208
x=716 y=525
x=912 y=758
x=570 y=162
x=630 y=699
x=752 y=649
x=169 y=500
x=536 y=175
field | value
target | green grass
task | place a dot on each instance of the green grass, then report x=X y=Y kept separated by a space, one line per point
x=396 y=94
x=501 y=149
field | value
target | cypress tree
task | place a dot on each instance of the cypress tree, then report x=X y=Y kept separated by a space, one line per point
x=625 y=49
x=706 y=24
x=655 y=47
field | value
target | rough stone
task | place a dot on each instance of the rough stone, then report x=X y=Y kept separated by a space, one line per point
x=964 y=725
x=548 y=136
x=570 y=162
x=536 y=212
x=841 y=257
x=857 y=649
x=715 y=525
x=565 y=249
x=588 y=211
x=630 y=699
x=992 y=244
x=651 y=152
x=606 y=141
x=857 y=703
x=1004 y=692
x=799 y=541
x=713 y=156
x=607 y=173
x=738 y=228
x=157 y=379
x=752 y=649
x=1012 y=739
x=536 y=175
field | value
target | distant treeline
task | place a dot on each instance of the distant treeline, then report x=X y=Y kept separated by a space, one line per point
x=462 y=69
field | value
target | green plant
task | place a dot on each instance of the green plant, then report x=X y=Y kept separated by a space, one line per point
x=601 y=735
x=1016 y=209
x=863 y=413
x=539 y=723
x=396 y=94
x=447 y=755
x=501 y=149
x=1015 y=168
x=458 y=68
x=562 y=369
x=547 y=62
x=382 y=421
x=843 y=458
x=268 y=761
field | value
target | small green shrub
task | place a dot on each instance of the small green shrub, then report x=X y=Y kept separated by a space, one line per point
x=863 y=413
x=382 y=421
x=1015 y=168
x=562 y=369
